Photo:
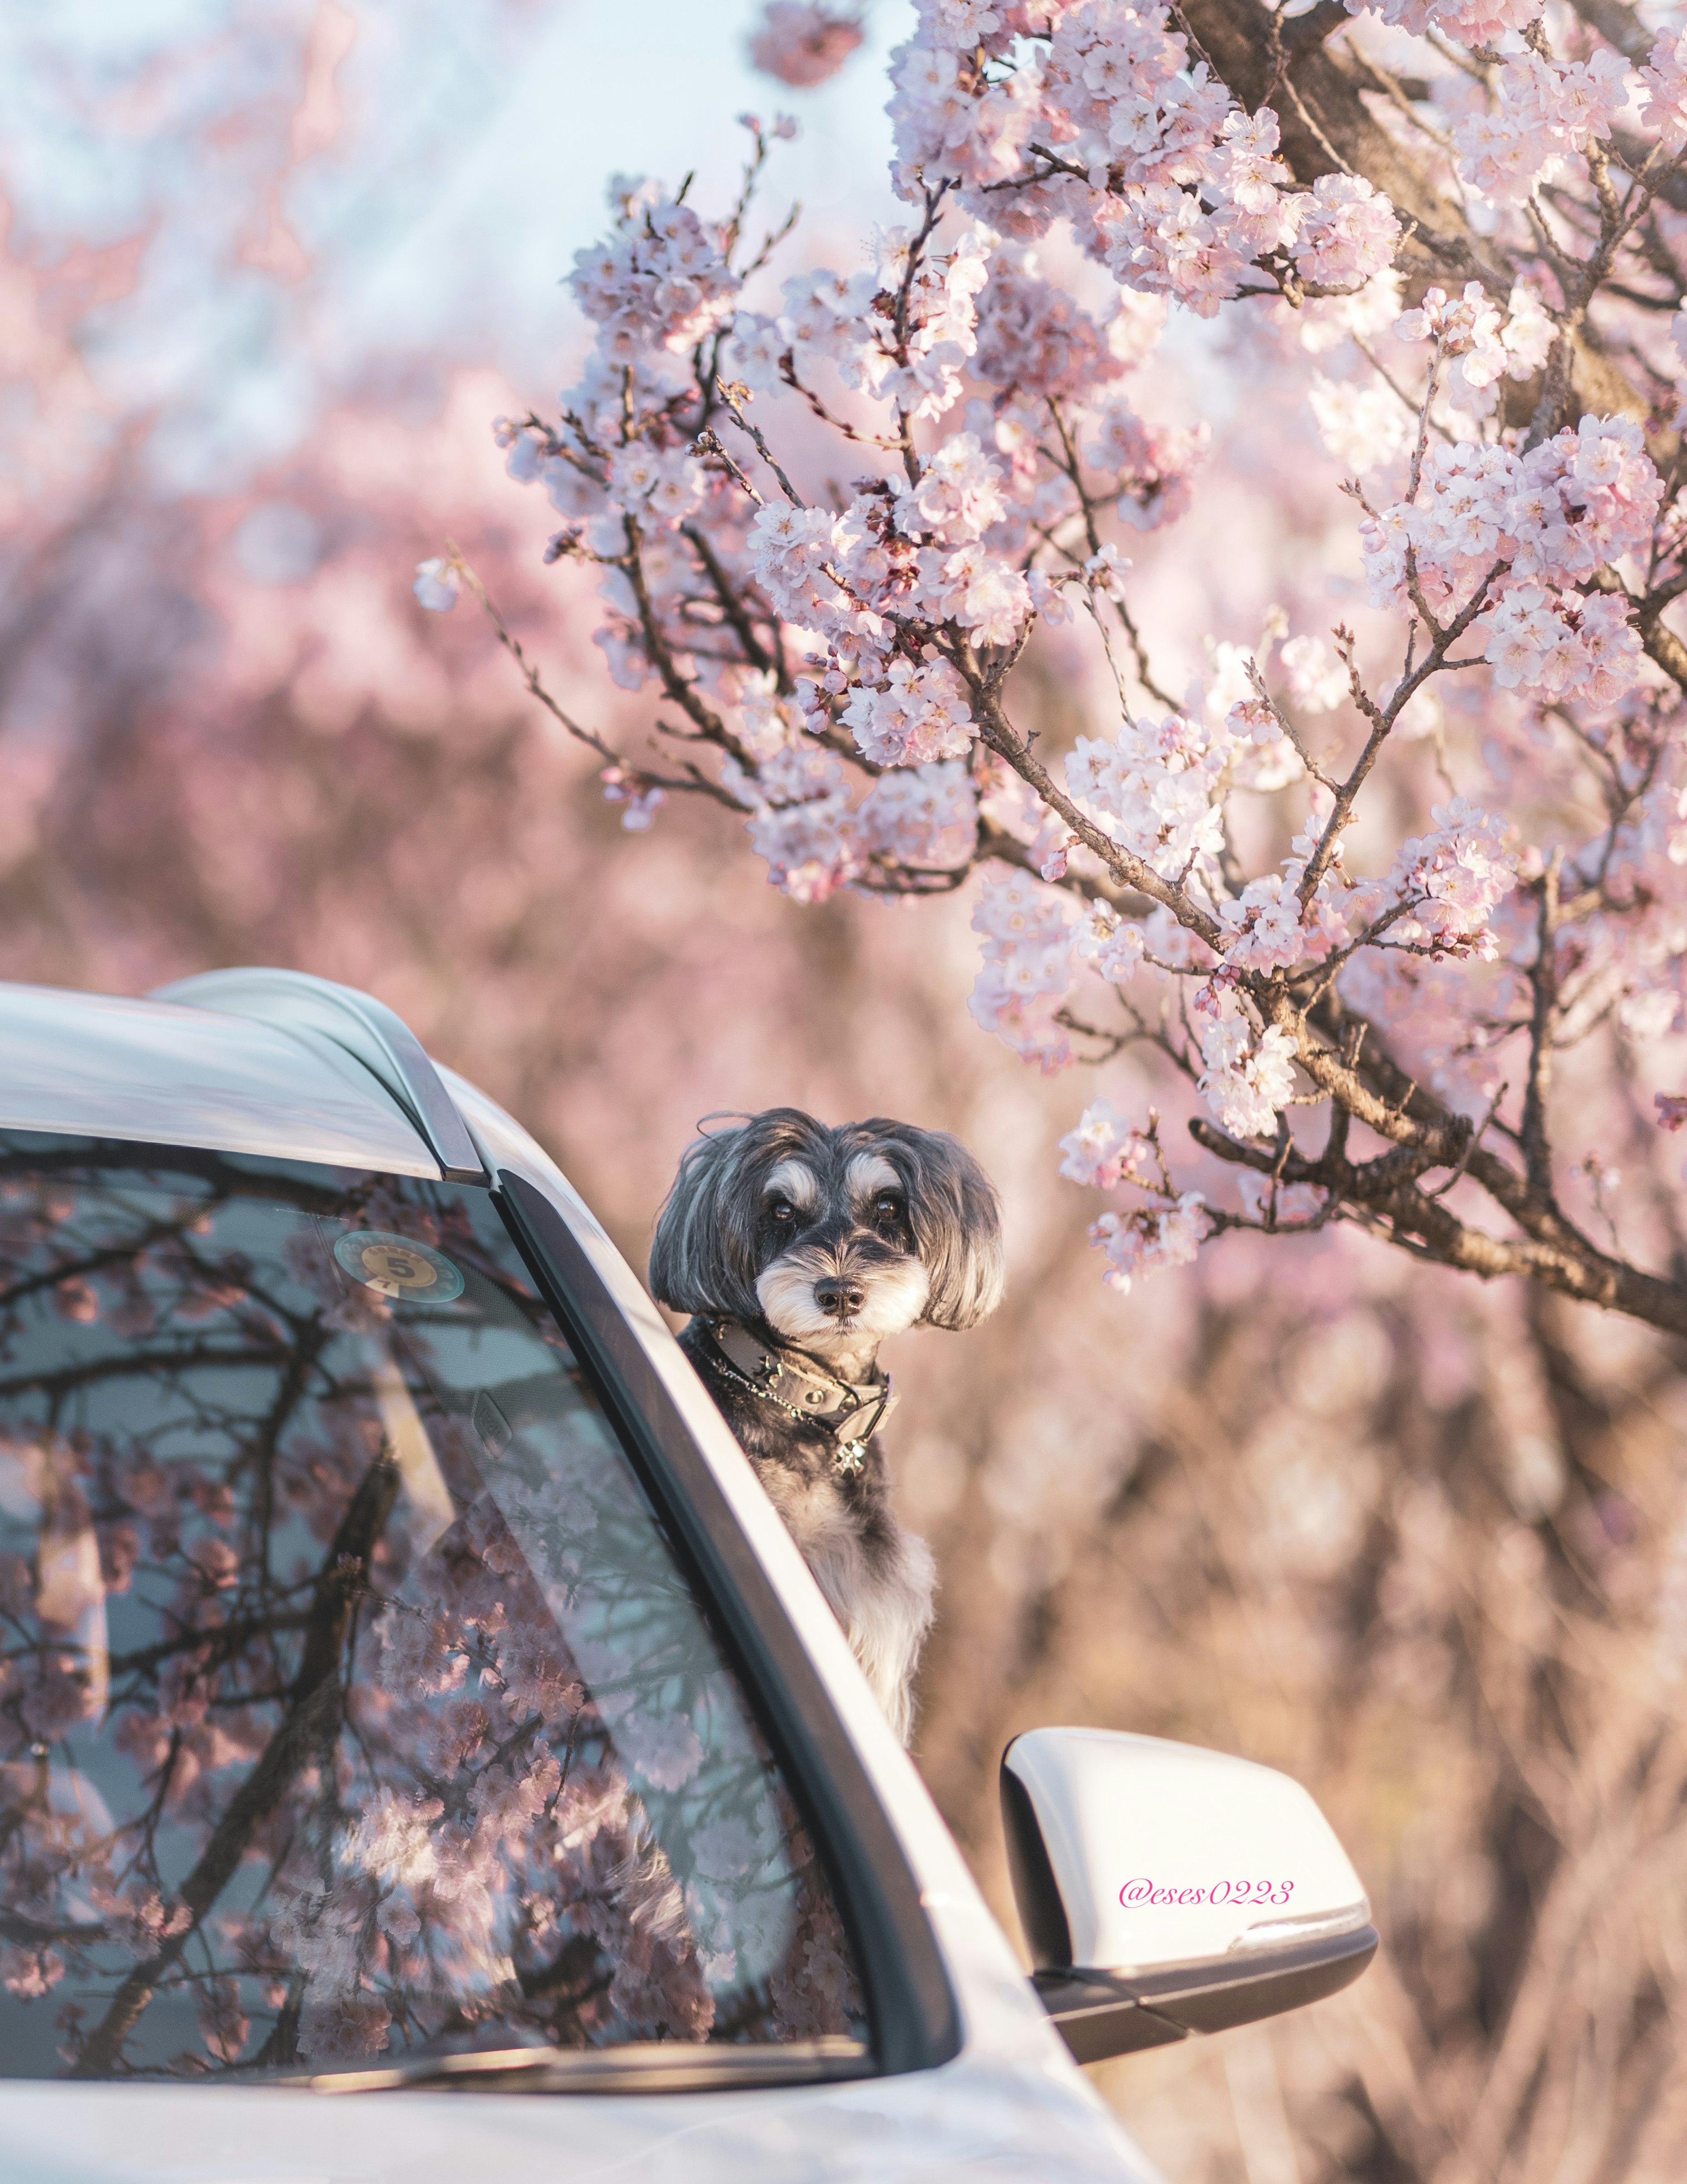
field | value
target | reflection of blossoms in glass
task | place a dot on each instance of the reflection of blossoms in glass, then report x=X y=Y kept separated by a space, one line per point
x=28 y=1973
x=341 y=2028
x=664 y=1751
x=17 y=1587
x=356 y=1569
x=391 y=1841
x=813 y=1989
x=223 y=2026
x=55 y=1695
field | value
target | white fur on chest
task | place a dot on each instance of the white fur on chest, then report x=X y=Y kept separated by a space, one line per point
x=885 y=1611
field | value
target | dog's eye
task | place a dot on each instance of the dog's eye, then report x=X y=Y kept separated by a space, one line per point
x=782 y=1210
x=887 y=1206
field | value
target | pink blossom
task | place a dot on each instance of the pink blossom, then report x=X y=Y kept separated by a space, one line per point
x=1027 y=941
x=1103 y=1149
x=1152 y=789
x=1034 y=338
x=1546 y=109
x=1144 y=1241
x=1472 y=22
x=924 y=816
x=437 y=585
x=1272 y=931
x=1665 y=79
x=1317 y=680
x=639 y=799
x=958 y=496
x=1112 y=946
x=1247 y=1075
x=801 y=43
x=801 y=823
x=658 y=282
x=1155 y=464
x=1347 y=232
x=913 y=715
x=1455 y=876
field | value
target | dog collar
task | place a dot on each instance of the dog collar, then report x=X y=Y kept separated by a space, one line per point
x=852 y=1414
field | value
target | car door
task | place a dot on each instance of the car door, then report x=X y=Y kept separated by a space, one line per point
x=397 y=1696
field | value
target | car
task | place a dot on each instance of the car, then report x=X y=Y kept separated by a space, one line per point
x=406 y=1688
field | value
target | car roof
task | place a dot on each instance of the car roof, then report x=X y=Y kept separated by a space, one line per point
x=263 y=1073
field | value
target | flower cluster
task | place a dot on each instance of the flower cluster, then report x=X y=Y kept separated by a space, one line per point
x=1035 y=339
x=1248 y=1074
x=1521 y=532
x=1547 y=110
x=1274 y=929
x=1665 y=80
x=1476 y=345
x=1153 y=789
x=1452 y=879
x=659 y=282
x=1146 y=1240
x=1103 y=1149
x=1112 y=946
x=1028 y=967
x=802 y=43
x=863 y=582
x=1155 y=464
x=1472 y=22
x=901 y=333
x=1165 y=180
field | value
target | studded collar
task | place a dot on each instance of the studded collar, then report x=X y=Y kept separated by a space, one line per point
x=854 y=1414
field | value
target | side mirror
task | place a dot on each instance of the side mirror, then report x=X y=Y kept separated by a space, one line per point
x=1164 y=1890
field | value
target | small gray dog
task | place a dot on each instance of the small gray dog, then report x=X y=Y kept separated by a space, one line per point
x=796 y=1248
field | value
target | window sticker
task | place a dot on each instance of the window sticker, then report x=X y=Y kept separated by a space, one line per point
x=397 y=1267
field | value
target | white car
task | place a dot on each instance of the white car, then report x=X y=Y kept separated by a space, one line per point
x=406 y=1688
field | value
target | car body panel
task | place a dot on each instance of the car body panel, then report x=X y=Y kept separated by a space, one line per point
x=967 y=2120
x=1011 y=2105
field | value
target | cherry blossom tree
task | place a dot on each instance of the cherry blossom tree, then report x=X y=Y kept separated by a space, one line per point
x=1458 y=230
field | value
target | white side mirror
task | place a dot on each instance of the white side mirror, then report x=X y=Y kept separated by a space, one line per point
x=1166 y=1890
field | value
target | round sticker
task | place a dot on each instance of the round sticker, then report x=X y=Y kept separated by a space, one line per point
x=397 y=1268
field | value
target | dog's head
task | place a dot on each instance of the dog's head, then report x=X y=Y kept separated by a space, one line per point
x=835 y=1238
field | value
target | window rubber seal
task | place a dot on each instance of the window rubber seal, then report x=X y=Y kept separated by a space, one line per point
x=912 y=2006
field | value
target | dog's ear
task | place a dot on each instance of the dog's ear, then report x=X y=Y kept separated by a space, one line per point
x=957 y=1221
x=703 y=1255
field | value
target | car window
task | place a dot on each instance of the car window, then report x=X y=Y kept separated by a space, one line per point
x=353 y=1702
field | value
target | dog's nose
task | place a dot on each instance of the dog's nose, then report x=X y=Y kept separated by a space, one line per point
x=838 y=1297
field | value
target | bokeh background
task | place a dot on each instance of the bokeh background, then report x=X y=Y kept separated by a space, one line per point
x=270 y=268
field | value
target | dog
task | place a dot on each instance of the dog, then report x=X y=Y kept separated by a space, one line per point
x=796 y=1250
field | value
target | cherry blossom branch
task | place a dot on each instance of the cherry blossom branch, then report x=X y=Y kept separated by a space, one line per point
x=305 y=1732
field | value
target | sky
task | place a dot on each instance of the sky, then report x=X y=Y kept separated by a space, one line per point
x=438 y=166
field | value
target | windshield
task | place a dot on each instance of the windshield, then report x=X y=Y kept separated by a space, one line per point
x=352 y=1704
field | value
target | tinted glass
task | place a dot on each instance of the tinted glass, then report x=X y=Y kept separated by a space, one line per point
x=352 y=1704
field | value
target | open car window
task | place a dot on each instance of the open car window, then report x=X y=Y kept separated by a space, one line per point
x=353 y=1705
